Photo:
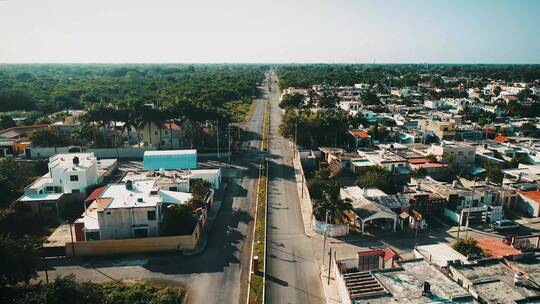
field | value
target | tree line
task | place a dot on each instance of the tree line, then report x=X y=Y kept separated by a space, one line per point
x=306 y=75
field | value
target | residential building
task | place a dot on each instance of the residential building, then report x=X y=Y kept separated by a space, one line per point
x=493 y=281
x=444 y=130
x=69 y=173
x=133 y=209
x=366 y=278
x=453 y=153
x=361 y=138
x=167 y=135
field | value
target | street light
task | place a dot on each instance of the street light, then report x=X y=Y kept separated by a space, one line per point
x=469 y=211
x=324 y=239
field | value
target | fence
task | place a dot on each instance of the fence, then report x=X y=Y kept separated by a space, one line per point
x=127 y=152
x=152 y=244
x=331 y=229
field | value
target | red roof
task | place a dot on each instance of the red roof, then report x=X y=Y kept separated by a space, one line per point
x=389 y=253
x=532 y=195
x=171 y=125
x=501 y=138
x=21 y=131
x=359 y=133
x=94 y=195
x=496 y=247
x=431 y=165
x=419 y=160
x=375 y=252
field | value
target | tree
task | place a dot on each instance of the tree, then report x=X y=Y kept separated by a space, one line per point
x=48 y=138
x=530 y=130
x=18 y=260
x=376 y=177
x=378 y=133
x=467 y=247
x=292 y=101
x=494 y=173
x=330 y=203
x=6 y=122
x=388 y=122
x=179 y=219
x=199 y=188
x=328 y=101
x=369 y=98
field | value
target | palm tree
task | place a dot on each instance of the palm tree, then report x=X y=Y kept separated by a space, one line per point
x=331 y=203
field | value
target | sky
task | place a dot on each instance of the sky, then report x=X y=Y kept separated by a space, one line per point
x=270 y=31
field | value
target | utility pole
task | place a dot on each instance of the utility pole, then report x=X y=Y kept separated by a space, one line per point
x=295 y=136
x=459 y=224
x=469 y=212
x=324 y=239
x=217 y=137
x=229 y=140
x=329 y=264
x=71 y=235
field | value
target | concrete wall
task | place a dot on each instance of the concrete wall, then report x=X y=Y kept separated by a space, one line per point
x=128 y=152
x=340 y=282
x=109 y=247
x=331 y=230
x=121 y=222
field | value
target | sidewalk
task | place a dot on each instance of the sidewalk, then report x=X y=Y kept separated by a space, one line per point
x=303 y=195
x=203 y=239
x=331 y=293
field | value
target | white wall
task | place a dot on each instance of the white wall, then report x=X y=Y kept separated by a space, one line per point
x=119 y=223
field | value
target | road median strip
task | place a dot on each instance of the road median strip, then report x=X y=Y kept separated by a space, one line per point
x=257 y=275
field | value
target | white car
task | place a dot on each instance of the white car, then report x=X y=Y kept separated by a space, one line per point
x=505 y=225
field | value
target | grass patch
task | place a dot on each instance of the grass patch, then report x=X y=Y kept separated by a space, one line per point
x=266 y=127
x=68 y=290
x=256 y=287
x=257 y=281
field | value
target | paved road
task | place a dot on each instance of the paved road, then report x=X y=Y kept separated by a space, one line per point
x=293 y=270
x=218 y=275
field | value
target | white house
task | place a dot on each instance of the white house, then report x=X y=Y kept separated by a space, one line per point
x=128 y=210
x=69 y=173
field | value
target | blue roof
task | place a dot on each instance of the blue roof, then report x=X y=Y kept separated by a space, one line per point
x=170 y=160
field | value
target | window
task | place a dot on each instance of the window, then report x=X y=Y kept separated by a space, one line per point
x=108 y=213
x=173 y=188
x=151 y=215
x=460 y=153
x=75 y=191
x=49 y=189
x=92 y=236
x=140 y=232
x=155 y=132
x=74 y=178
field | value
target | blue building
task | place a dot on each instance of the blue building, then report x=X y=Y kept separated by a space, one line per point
x=170 y=160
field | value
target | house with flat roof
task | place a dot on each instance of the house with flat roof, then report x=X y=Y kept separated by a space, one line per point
x=440 y=255
x=453 y=152
x=493 y=281
x=69 y=174
x=177 y=180
x=133 y=209
x=369 y=278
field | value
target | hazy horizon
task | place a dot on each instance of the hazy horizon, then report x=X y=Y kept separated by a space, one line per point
x=270 y=32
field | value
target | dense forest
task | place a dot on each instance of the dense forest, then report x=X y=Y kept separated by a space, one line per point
x=396 y=74
x=47 y=88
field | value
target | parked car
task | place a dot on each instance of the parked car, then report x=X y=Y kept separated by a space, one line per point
x=504 y=225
